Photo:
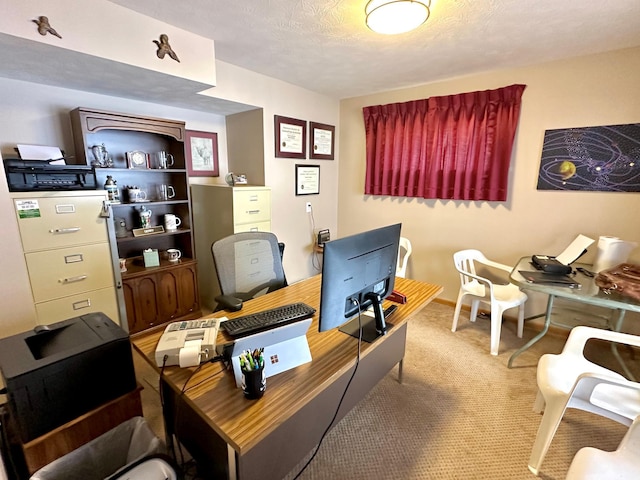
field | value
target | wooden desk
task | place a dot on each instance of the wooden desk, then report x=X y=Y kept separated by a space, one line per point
x=233 y=437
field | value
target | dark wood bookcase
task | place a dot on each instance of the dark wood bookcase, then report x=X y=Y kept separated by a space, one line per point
x=168 y=292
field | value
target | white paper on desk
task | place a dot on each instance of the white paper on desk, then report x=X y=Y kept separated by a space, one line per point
x=41 y=152
x=574 y=250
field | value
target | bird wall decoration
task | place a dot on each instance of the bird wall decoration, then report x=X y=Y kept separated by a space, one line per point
x=44 y=27
x=164 y=48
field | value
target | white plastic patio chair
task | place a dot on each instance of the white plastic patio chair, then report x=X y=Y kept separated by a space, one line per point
x=482 y=290
x=569 y=380
x=621 y=464
x=403 y=259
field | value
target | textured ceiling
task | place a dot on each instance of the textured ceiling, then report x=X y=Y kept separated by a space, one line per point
x=324 y=45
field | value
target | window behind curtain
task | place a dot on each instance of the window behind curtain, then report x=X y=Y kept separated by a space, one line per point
x=455 y=147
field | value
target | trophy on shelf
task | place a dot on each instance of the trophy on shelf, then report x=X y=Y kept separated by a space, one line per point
x=101 y=157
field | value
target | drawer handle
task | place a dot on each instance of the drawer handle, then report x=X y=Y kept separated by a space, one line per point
x=253 y=229
x=75 y=258
x=56 y=231
x=66 y=208
x=82 y=304
x=253 y=212
x=79 y=278
x=253 y=198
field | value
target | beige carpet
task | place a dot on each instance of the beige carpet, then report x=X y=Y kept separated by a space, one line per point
x=459 y=414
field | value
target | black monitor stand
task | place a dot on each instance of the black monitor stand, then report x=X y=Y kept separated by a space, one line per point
x=372 y=327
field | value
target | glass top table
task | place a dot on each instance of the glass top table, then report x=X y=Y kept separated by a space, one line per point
x=587 y=293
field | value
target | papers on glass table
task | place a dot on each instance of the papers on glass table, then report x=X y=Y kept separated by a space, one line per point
x=574 y=250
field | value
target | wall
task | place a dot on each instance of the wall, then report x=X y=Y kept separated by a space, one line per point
x=589 y=91
x=39 y=114
x=290 y=222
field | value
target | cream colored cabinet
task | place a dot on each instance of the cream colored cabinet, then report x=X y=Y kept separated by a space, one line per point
x=220 y=211
x=67 y=253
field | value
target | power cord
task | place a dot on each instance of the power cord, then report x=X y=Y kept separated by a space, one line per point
x=315 y=256
x=218 y=358
x=344 y=393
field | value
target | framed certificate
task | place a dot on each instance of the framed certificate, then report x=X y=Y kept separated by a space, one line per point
x=307 y=179
x=321 y=141
x=290 y=137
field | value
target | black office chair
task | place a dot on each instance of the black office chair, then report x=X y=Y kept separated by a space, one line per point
x=248 y=265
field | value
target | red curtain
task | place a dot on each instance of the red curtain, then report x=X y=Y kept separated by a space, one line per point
x=454 y=147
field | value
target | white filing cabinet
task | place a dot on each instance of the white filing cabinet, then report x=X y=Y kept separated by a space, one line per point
x=66 y=249
x=220 y=211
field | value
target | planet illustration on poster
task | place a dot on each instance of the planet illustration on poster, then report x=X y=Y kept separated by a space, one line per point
x=567 y=169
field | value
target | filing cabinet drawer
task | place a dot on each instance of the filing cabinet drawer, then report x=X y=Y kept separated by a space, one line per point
x=68 y=271
x=59 y=222
x=102 y=300
x=250 y=206
x=252 y=227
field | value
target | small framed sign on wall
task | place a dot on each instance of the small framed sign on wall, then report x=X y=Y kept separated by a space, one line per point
x=307 y=179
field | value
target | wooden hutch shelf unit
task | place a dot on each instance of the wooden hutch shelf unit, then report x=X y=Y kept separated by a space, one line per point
x=168 y=292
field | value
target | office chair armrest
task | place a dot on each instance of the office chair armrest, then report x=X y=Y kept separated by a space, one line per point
x=229 y=302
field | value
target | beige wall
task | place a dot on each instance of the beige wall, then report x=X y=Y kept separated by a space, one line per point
x=590 y=91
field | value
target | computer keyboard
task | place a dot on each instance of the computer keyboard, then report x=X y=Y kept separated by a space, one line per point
x=267 y=319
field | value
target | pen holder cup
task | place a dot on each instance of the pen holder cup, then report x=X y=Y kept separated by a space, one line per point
x=254 y=383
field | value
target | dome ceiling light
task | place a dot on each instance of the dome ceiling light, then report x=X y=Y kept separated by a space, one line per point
x=396 y=16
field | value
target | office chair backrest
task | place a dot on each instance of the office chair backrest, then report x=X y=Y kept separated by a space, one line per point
x=248 y=264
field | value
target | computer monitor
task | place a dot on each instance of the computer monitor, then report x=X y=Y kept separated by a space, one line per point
x=358 y=272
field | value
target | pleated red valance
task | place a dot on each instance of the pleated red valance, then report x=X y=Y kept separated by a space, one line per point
x=454 y=147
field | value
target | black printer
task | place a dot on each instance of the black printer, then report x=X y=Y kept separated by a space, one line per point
x=42 y=175
x=58 y=372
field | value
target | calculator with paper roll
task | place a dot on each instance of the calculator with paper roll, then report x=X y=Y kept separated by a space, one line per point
x=188 y=343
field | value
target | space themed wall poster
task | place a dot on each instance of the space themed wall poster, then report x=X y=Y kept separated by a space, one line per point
x=602 y=159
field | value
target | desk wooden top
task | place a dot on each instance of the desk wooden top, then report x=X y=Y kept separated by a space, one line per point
x=244 y=423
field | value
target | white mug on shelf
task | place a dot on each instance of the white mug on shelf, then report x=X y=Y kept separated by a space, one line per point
x=171 y=222
x=173 y=254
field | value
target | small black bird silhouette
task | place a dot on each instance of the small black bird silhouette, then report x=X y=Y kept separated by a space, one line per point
x=44 y=27
x=164 y=48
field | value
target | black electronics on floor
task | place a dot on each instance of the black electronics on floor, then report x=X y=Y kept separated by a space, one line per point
x=56 y=373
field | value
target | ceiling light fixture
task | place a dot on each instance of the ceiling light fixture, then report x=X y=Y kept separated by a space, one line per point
x=396 y=16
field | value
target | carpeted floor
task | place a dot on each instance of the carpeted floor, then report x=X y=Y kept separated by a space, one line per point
x=460 y=413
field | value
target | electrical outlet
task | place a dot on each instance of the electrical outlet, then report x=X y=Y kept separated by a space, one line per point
x=308 y=207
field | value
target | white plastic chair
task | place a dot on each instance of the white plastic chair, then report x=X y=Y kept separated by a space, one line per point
x=482 y=290
x=569 y=380
x=403 y=259
x=622 y=464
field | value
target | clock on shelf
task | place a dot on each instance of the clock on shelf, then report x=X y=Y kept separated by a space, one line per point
x=138 y=159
